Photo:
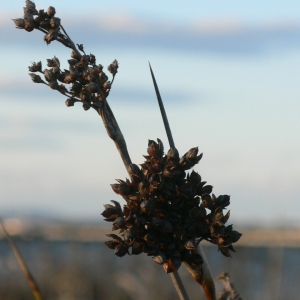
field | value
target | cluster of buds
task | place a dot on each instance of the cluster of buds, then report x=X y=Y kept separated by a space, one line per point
x=167 y=211
x=43 y=21
x=90 y=85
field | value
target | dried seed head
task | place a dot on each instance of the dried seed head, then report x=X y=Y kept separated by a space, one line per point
x=36 y=78
x=35 y=67
x=53 y=85
x=62 y=89
x=75 y=55
x=86 y=106
x=51 y=11
x=51 y=35
x=159 y=258
x=45 y=24
x=147 y=206
x=173 y=156
x=19 y=23
x=92 y=59
x=102 y=77
x=49 y=76
x=72 y=62
x=121 y=250
x=29 y=22
x=70 y=102
x=38 y=20
x=80 y=47
x=100 y=68
x=30 y=7
x=113 y=67
x=76 y=87
x=54 y=22
x=30 y=4
x=107 y=85
x=164 y=215
x=92 y=88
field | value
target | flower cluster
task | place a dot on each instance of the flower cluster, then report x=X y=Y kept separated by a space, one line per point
x=167 y=211
x=43 y=21
x=90 y=85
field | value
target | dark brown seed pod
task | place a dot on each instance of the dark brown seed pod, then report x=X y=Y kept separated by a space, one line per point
x=53 y=85
x=70 y=102
x=54 y=22
x=119 y=223
x=122 y=188
x=172 y=156
x=75 y=55
x=51 y=11
x=49 y=76
x=92 y=59
x=30 y=4
x=137 y=248
x=35 y=67
x=45 y=24
x=19 y=23
x=159 y=258
x=112 y=244
x=36 y=78
x=86 y=106
x=147 y=206
x=113 y=67
x=51 y=36
x=102 y=78
x=80 y=47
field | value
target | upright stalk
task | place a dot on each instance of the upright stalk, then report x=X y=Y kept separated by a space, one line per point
x=202 y=273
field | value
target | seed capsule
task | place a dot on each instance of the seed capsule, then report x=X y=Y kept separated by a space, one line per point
x=51 y=11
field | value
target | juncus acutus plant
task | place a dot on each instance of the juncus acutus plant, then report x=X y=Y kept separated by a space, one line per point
x=168 y=209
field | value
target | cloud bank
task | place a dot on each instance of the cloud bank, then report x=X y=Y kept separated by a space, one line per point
x=229 y=37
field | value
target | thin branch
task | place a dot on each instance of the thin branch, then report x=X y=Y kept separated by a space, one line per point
x=42 y=30
x=73 y=45
x=35 y=290
x=112 y=80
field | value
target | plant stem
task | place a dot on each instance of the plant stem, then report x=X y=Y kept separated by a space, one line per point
x=179 y=286
x=73 y=45
x=114 y=132
x=35 y=290
x=201 y=274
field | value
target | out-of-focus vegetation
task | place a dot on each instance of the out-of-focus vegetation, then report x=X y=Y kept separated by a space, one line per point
x=71 y=262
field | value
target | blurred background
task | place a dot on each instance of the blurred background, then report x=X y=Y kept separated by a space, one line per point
x=228 y=73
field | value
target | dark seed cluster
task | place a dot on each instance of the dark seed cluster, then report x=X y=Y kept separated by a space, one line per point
x=167 y=211
x=89 y=83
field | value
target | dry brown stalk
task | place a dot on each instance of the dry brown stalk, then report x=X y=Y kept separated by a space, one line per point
x=32 y=283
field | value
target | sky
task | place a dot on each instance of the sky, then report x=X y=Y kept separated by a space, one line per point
x=228 y=73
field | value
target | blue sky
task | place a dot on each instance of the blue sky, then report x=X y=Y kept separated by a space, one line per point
x=228 y=73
